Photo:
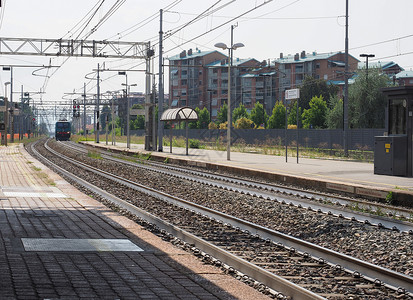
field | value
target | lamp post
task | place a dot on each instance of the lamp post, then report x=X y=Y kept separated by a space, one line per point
x=230 y=52
x=127 y=108
x=11 y=101
x=367 y=63
x=6 y=113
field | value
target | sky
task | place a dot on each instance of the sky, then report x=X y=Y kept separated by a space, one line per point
x=380 y=27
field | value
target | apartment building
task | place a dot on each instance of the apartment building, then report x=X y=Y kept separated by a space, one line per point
x=404 y=78
x=218 y=82
x=259 y=85
x=188 y=79
x=200 y=78
x=389 y=68
x=294 y=68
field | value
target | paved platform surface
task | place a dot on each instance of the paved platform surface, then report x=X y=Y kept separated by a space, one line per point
x=57 y=243
x=338 y=174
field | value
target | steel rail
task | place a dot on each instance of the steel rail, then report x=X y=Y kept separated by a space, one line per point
x=369 y=271
x=286 y=197
x=271 y=280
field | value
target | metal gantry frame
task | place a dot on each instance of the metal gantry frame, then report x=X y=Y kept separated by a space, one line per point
x=77 y=48
x=91 y=49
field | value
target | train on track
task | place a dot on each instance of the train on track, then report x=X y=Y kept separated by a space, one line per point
x=63 y=129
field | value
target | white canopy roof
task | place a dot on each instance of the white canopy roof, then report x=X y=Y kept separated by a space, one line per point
x=179 y=114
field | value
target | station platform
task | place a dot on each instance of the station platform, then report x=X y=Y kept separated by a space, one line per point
x=350 y=177
x=58 y=243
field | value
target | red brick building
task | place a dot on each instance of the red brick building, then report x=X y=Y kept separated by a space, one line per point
x=293 y=69
x=218 y=82
x=188 y=79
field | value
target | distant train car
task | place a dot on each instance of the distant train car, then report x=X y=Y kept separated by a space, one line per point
x=63 y=129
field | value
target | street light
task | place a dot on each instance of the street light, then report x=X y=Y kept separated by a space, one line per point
x=11 y=101
x=230 y=51
x=127 y=108
x=367 y=63
x=6 y=113
x=113 y=117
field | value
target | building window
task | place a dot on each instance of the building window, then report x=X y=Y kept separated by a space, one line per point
x=317 y=66
x=247 y=82
x=183 y=92
x=184 y=82
x=299 y=68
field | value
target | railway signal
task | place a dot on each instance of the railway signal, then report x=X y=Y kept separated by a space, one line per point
x=74 y=109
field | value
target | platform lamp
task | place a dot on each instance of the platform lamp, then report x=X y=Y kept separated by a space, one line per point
x=6 y=113
x=230 y=50
x=127 y=108
x=367 y=63
x=5 y=68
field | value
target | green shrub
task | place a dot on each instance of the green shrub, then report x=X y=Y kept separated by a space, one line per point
x=194 y=143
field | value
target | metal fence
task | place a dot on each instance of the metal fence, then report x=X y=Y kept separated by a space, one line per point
x=358 y=139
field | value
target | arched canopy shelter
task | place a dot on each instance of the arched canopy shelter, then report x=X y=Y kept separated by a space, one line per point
x=181 y=114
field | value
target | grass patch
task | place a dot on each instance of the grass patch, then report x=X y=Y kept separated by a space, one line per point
x=94 y=154
x=43 y=176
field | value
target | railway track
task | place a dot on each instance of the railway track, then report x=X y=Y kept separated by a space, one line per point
x=312 y=271
x=328 y=204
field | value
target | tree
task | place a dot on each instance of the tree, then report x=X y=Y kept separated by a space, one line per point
x=239 y=112
x=277 y=119
x=292 y=116
x=258 y=115
x=193 y=124
x=222 y=114
x=138 y=123
x=312 y=87
x=204 y=119
x=244 y=123
x=334 y=116
x=366 y=101
x=106 y=113
x=315 y=117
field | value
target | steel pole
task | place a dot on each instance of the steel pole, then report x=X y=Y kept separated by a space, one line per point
x=98 y=108
x=84 y=110
x=161 y=87
x=345 y=102
x=11 y=106
x=127 y=114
